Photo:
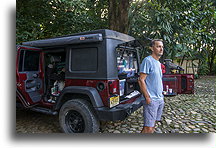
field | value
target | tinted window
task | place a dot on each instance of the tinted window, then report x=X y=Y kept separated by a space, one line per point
x=84 y=59
x=21 y=60
x=31 y=61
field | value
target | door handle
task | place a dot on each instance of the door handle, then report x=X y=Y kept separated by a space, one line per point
x=35 y=75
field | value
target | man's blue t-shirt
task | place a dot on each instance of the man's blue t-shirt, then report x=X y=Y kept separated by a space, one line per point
x=153 y=81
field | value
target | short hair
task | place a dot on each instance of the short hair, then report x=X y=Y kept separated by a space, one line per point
x=155 y=40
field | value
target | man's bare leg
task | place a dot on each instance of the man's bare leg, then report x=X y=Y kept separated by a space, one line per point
x=147 y=129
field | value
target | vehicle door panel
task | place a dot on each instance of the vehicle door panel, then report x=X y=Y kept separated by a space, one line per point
x=29 y=74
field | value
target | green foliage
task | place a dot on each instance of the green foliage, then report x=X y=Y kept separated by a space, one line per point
x=186 y=26
x=38 y=19
x=203 y=69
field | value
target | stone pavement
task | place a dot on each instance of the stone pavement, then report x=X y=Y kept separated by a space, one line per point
x=186 y=113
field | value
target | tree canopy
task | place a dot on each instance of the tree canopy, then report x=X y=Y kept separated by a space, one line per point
x=186 y=26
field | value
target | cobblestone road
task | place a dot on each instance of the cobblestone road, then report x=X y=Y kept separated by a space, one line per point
x=193 y=113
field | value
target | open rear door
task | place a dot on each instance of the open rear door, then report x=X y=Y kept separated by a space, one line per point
x=29 y=75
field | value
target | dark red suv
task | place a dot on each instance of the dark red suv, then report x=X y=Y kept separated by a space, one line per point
x=83 y=78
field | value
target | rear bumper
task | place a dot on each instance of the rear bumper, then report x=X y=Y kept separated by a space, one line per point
x=119 y=112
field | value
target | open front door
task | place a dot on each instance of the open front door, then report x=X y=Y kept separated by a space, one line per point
x=29 y=75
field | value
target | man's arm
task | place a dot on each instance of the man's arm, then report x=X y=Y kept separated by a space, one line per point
x=143 y=87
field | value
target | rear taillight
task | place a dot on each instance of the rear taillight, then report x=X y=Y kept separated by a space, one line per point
x=113 y=87
x=113 y=93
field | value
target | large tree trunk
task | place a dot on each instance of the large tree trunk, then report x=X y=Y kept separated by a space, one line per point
x=211 y=58
x=118 y=15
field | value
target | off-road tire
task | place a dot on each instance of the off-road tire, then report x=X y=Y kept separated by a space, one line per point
x=77 y=116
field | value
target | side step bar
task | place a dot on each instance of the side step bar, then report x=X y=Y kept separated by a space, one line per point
x=44 y=110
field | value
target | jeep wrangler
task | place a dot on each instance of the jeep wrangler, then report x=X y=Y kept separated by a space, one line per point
x=83 y=78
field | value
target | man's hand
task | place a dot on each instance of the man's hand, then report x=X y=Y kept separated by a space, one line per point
x=148 y=100
x=143 y=88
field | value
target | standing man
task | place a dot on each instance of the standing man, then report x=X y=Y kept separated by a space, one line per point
x=150 y=82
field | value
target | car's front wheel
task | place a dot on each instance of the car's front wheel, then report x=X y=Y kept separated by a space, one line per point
x=77 y=116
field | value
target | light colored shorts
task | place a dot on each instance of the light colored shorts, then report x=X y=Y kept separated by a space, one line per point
x=152 y=112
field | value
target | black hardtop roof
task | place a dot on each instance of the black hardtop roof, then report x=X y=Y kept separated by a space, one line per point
x=80 y=38
x=109 y=34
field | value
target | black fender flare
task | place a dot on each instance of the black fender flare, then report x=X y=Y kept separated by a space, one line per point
x=91 y=92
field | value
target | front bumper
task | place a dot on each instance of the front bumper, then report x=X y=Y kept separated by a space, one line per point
x=119 y=112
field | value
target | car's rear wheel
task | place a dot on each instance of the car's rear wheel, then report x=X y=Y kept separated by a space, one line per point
x=77 y=116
